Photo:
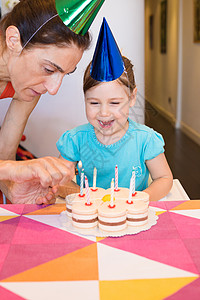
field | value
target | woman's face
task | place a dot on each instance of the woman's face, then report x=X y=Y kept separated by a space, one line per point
x=39 y=70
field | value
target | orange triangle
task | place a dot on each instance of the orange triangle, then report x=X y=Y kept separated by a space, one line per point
x=147 y=289
x=188 y=205
x=78 y=265
x=50 y=210
x=5 y=218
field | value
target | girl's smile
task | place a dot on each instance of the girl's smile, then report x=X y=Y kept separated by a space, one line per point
x=106 y=124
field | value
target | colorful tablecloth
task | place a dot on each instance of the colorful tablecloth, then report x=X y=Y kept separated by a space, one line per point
x=41 y=260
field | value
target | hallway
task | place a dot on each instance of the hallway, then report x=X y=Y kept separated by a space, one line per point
x=182 y=153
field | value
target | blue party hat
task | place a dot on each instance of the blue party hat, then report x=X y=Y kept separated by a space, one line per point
x=107 y=63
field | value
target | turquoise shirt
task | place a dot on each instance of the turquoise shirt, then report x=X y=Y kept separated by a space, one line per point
x=140 y=143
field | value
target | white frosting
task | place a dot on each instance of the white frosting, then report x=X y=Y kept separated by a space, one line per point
x=118 y=210
x=112 y=228
x=96 y=194
x=122 y=194
x=141 y=196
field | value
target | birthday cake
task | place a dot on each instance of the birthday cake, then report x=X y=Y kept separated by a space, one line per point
x=111 y=210
x=108 y=217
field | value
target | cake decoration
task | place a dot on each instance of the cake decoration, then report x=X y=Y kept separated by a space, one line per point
x=112 y=205
x=81 y=185
x=94 y=188
x=116 y=179
x=133 y=188
x=88 y=202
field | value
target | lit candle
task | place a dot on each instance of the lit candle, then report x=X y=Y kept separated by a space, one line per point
x=116 y=178
x=94 y=178
x=81 y=185
x=80 y=165
x=87 y=191
x=112 y=194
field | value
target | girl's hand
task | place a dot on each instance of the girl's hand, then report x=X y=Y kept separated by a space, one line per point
x=162 y=178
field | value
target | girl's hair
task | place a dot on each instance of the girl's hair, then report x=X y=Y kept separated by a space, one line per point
x=127 y=78
x=29 y=15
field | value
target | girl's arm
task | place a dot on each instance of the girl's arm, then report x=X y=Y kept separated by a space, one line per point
x=70 y=187
x=13 y=126
x=162 y=178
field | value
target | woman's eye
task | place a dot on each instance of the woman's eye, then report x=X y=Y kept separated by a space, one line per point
x=49 y=71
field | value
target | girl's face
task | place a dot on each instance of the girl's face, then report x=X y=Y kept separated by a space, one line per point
x=39 y=70
x=107 y=109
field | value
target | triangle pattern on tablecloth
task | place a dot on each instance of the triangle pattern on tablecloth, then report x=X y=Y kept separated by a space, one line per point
x=187 y=205
x=49 y=210
x=133 y=266
x=55 y=221
x=193 y=213
x=187 y=225
x=33 y=232
x=82 y=264
x=6 y=212
x=5 y=218
x=54 y=290
x=8 y=295
x=158 y=250
x=126 y=289
x=190 y=291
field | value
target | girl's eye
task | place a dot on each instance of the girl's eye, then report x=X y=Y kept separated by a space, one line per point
x=94 y=103
x=114 y=103
x=49 y=71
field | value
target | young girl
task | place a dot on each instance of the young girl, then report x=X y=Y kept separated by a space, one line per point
x=111 y=138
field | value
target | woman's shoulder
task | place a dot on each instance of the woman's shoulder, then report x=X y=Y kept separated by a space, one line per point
x=8 y=91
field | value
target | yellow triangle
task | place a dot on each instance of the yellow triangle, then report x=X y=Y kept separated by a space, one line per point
x=98 y=239
x=5 y=218
x=147 y=289
x=160 y=212
x=78 y=265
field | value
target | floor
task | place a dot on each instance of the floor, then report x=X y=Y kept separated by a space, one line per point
x=182 y=153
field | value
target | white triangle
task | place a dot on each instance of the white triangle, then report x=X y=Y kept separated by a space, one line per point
x=5 y=212
x=54 y=221
x=55 y=290
x=194 y=213
x=158 y=209
x=115 y=264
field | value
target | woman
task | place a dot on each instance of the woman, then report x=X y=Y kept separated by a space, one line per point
x=36 y=51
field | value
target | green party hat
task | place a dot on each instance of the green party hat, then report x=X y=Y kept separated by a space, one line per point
x=78 y=15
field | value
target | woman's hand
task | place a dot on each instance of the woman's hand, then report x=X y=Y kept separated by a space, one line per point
x=35 y=181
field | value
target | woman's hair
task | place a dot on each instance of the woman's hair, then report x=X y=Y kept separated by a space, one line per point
x=29 y=15
x=127 y=78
